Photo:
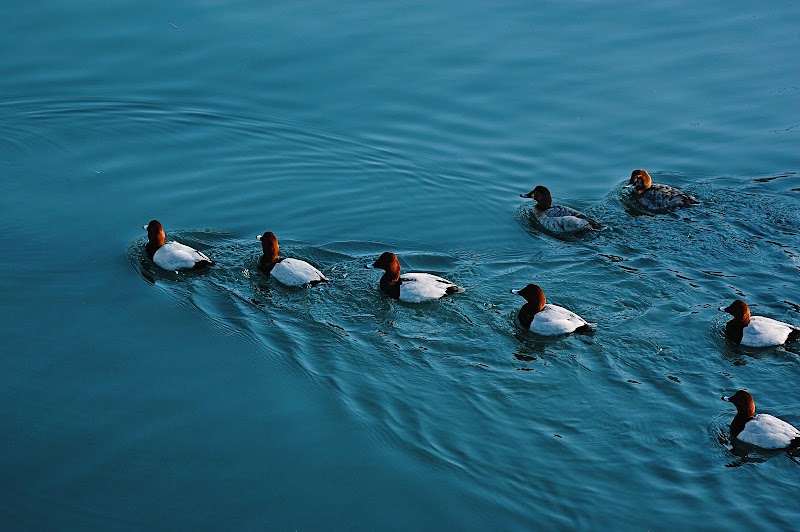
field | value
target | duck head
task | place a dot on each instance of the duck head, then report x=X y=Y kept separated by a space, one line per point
x=541 y=195
x=743 y=401
x=640 y=181
x=269 y=246
x=155 y=233
x=534 y=295
x=740 y=312
x=387 y=261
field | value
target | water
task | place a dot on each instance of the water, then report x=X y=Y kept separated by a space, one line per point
x=138 y=399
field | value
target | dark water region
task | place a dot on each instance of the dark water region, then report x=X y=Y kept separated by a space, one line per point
x=135 y=398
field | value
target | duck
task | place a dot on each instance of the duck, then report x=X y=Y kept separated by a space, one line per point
x=411 y=287
x=558 y=218
x=172 y=256
x=290 y=272
x=547 y=320
x=762 y=430
x=655 y=197
x=756 y=331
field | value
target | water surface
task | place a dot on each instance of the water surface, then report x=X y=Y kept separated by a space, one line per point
x=140 y=399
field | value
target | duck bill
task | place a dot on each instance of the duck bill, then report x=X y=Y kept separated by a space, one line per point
x=144 y=227
x=528 y=195
x=629 y=185
x=515 y=291
x=722 y=309
x=369 y=266
x=258 y=237
x=726 y=398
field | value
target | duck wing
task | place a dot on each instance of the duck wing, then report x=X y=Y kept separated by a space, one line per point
x=561 y=219
x=665 y=197
x=296 y=272
x=763 y=332
x=553 y=320
x=175 y=256
x=416 y=287
x=768 y=432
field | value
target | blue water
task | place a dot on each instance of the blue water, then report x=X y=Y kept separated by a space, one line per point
x=139 y=399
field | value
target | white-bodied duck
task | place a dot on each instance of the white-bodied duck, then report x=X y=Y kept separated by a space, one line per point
x=172 y=256
x=412 y=287
x=761 y=430
x=547 y=320
x=756 y=331
x=291 y=272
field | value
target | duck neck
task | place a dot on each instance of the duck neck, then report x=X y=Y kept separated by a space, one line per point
x=392 y=274
x=151 y=248
x=390 y=287
x=390 y=281
x=734 y=331
x=744 y=413
x=271 y=256
x=744 y=320
x=738 y=423
x=267 y=262
x=526 y=314
x=156 y=237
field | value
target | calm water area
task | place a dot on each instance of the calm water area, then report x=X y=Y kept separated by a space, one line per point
x=137 y=399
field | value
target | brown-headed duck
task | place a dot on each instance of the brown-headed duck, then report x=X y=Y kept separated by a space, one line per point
x=655 y=197
x=762 y=430
x=547 y=320
x=412 y=287
x=291 y=272
x=756 y=331
x=172 y=256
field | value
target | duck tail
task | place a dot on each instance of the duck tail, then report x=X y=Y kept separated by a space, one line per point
x=793 y=449
x=203 y=264
x=586 y=328
x=453 y=289
x=794 y=335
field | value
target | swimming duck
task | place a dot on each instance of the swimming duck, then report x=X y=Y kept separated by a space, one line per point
x=659 y=198
x=762 y=430
x=291 y=272
x=557 y=218
x=756 y=331
x=172 y=256
x=547 y=320
x=412 y=287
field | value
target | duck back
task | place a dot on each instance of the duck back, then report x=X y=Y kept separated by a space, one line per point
x=175 y=256
x=665 y=198
x=561 y=219
x=296 y=272
x=416 y=287
x=764 y=332
x=553 y=320
x=769 y=432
